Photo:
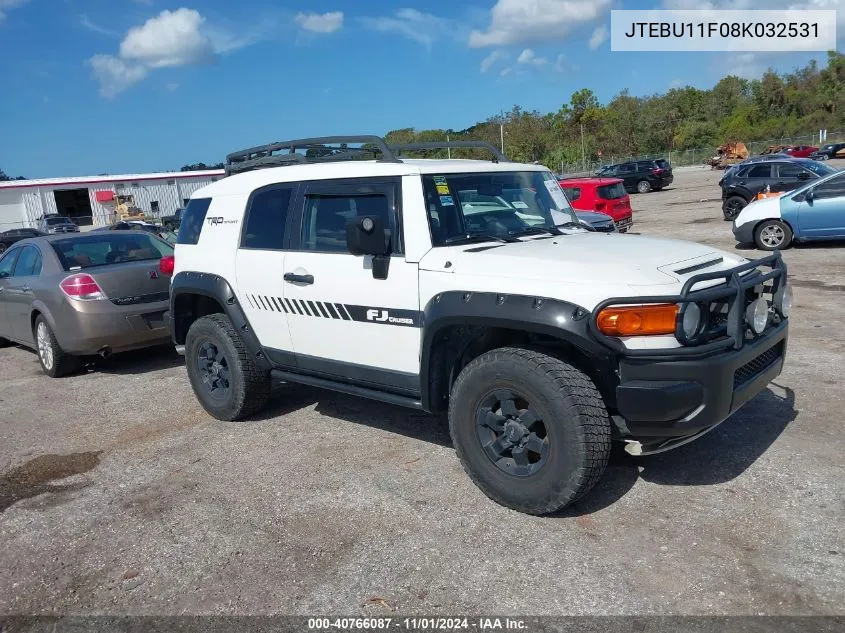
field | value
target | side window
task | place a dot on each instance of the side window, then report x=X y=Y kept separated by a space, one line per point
x=267 y=216
x=326 y=215
x=626 y=169
x=154 y=206
x=786 y=170
x=573 y=193
x=29 y=262
x=760 y=171
x=193 y=218
x=833 y=188
x=7 y=262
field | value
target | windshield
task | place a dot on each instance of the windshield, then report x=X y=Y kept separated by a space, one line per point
x=106 y=248
x=55 y=221
x=499 y=205
x=818 y=168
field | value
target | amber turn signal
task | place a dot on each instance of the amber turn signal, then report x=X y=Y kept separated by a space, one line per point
x=638 y=320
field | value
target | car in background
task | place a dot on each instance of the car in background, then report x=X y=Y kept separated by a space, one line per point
x=53 y=223
x=800 y=151
x=76 y=296
x=594 y=221
x=640 y=176
x=131 y=225
x=600 y=195
x=741 y=186
x=813 y=212
x=7 y=238
x=831 y=150
x=172 y=222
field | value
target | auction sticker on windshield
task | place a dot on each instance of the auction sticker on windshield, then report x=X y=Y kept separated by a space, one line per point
x=557 y=193
x=447 y=201
x=443 y=190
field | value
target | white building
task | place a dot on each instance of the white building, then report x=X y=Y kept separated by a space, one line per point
x=90 y=200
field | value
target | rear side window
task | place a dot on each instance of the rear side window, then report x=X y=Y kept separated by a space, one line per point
x=29 y=263
x=785 y=170
x=573 y=193
x=759 y=171
x=266 y=218
x=662 y=163
x=7 y=262
x=611 y=192
x=192 y=219
x=109 y=247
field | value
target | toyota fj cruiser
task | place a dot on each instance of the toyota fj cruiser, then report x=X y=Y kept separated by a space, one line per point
x=466 y=287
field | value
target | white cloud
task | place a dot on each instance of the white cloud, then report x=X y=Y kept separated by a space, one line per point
x=523 y=21
x=320 y=23
x=562 y=64
x=172 y=38
x=415 y=25
x=529 y=57
x=172 y=86
x=488 y=62
x=86 y=22
x=5 y=5
x=598 y=37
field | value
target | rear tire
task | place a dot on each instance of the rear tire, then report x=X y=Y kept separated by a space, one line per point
x=531 y=431
x=226 y=379
x=732 y=207
x=643 y=186
x=55 y=362
x=772 y=235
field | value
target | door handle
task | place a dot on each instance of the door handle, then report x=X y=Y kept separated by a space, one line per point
x=26 y=288
x=299 y=279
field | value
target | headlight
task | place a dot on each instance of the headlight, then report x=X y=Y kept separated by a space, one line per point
x=784 y=301
x=691 y=321
x=757 y=315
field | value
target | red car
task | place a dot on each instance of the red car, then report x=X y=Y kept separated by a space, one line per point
x=605 y=195
x=800 y=151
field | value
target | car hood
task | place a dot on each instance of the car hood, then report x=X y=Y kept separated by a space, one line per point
x=584 y=258
x=593 y=216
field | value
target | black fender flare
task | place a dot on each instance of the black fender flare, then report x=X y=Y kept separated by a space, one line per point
x=217 y=288
x=558 y=319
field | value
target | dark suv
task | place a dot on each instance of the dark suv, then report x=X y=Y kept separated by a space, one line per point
x=742 y=184
x=640 y=176
x=831 y=150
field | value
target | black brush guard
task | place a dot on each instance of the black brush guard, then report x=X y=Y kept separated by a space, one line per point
x=733 y=295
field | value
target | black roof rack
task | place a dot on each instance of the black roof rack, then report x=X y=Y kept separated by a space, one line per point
x=268 y=156
x=411 y=147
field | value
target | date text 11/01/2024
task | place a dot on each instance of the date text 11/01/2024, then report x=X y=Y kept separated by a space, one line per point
x=417 y=624
x=723 y=29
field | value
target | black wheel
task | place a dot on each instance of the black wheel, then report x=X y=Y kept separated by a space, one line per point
x=55 y=362
x=3 y=247
x=225 y=378
x=732 y=206
x=771 y=235
x=531 y=431
x=643 y=186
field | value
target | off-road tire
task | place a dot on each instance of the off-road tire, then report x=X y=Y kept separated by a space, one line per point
x=571 y=408
x=60 y=362
x=732 y=207
x=775 y=227
x=250 y=385
x=643 y=186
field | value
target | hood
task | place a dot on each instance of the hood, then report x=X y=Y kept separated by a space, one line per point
x=593 y=216
x=585 y=258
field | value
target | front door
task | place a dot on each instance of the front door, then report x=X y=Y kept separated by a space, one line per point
x=19 y=293
x=824 y=215
x=345 y=323
x=7 y=265
x=789 y=176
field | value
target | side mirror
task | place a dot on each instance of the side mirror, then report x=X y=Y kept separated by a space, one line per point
x=368 y=235
x=809 y=195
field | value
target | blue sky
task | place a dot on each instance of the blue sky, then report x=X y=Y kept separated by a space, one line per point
x=122 y=86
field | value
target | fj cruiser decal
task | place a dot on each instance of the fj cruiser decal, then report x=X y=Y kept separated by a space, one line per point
x=336 y=311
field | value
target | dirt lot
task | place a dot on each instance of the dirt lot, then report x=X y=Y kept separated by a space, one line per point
x=118 y=494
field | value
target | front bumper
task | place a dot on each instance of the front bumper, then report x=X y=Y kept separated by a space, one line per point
x=680 y=397
x=744 y=233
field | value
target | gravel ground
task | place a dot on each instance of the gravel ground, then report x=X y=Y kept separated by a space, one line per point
x=119 y=495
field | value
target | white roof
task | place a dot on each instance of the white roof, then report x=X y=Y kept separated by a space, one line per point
x=247 y=182
x=105 y=180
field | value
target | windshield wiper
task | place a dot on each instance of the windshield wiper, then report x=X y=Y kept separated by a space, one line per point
x=533 y=230
x=477 y=237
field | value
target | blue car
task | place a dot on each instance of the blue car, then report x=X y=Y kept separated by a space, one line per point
x=815 y=211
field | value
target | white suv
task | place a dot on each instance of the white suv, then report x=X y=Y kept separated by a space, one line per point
x=467 y=287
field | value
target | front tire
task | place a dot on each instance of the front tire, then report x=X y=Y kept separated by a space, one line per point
x=643 y=186
x=732 y=207
x=225 y=378
x=531 y=431
x=55 y=362
x=772 y=235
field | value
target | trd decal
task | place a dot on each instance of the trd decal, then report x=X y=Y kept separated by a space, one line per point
x=336 y=311
x=219 y=219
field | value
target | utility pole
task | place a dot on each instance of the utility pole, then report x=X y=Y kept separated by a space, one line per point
x=448 y=149
x=502 y=136
x=583 y=152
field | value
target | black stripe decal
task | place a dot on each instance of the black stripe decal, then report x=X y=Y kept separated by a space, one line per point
x=248 y=301
x=341 y=312
x=282 y=304
x=323 y=309
x=346 y=312
x=304 y=307
x=314 y=310
x=290 y=306
x=275 y=305
x=266 y=307
x=330 y=307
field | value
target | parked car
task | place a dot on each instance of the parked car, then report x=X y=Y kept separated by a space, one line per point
x=136 y=225
x=831 y=150
x=7 y=238
x=53 y=223
x=741 y=186
x=595 y=221
x=800 y=151
x=640 y=176
x=601 y=195
x=172 y=222
x=72 y=296
x=815 y=211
